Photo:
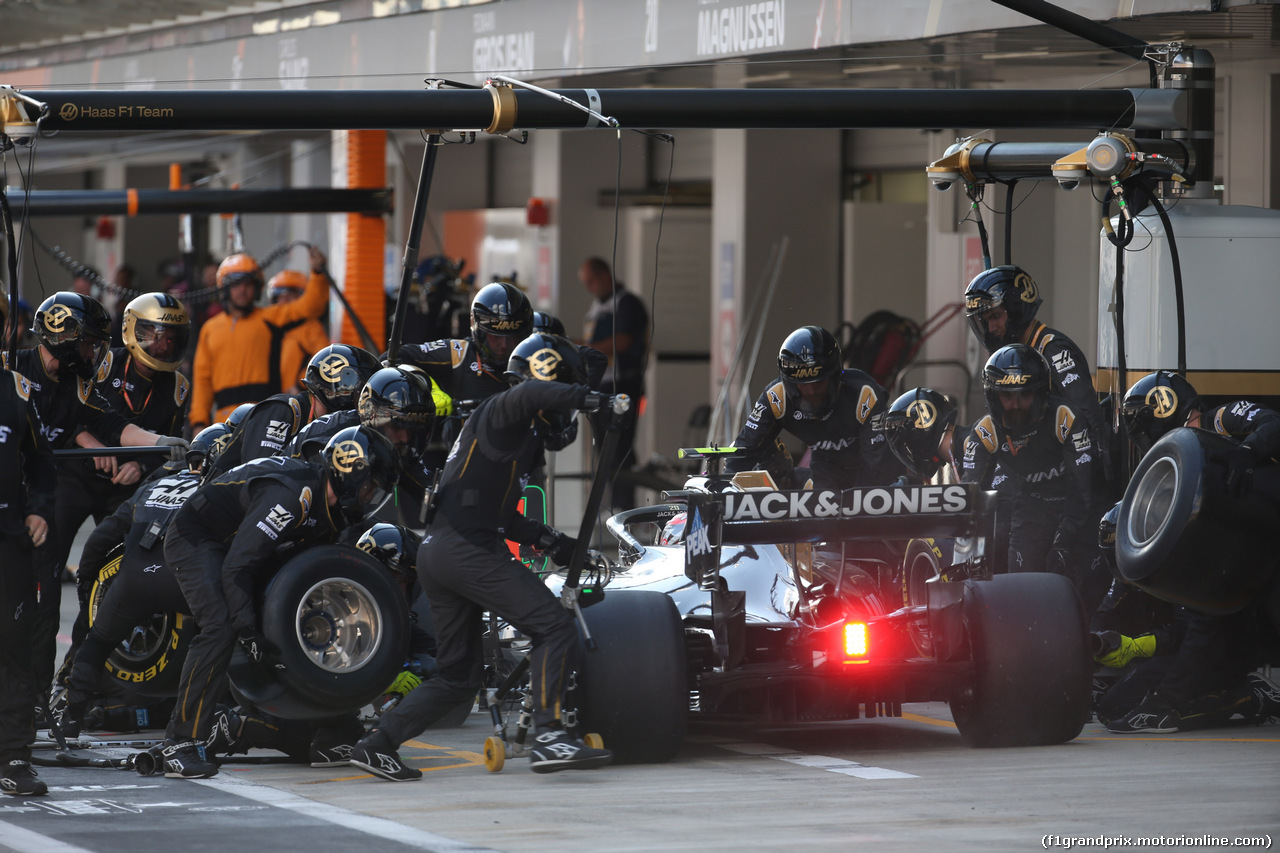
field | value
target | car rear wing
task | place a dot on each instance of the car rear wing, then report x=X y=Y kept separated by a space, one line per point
x=764 y=517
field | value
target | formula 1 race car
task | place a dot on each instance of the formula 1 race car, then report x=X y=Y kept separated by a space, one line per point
x=789 y=606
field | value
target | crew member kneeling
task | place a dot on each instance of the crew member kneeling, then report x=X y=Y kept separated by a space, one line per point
x=229 y=531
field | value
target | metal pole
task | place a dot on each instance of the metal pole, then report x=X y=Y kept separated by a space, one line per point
x=97 y=110
x=412 y=242
x=134 y=202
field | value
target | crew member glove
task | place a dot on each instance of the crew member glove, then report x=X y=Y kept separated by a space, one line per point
x=256 y=646
x=178 y=445
x=404 y=683
x=1128 y=649
x=556 y=545
x=1239 y=464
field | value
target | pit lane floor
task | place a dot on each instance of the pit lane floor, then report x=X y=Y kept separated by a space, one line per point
x=889 y=784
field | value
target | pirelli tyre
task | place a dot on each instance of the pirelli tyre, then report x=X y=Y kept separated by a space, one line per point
x=342 y=628
x=1031 y=662
x=1183 y=537
x=632 y=689
x=921 y=564
x=149 y=661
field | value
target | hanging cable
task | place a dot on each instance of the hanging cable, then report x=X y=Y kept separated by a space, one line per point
x=974 y=192
x=1008 y=221
x=1179 y=305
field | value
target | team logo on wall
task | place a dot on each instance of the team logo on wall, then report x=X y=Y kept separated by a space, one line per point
x=332 y=365
x=1163 y=401
x=347 y=456
x=923 y=412
x=544 y=364
x=1026 y=287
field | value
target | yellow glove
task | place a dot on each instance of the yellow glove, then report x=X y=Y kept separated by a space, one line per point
x=1130 y=648
x=404 y=683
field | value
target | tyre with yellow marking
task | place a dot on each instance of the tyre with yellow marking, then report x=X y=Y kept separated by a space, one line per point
x=150 y=661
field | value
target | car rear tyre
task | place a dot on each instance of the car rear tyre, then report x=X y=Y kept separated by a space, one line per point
x=921 y=564
x=632 y=689
x=149 y=662
x=342 y=628
x=1031 y=662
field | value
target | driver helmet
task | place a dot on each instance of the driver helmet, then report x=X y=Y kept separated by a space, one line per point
x=673 y=531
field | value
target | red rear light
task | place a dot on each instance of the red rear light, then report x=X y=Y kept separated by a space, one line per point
x=855 y=640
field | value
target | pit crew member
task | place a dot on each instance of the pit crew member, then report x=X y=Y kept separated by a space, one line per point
x=230 y=530
x=832 y=409
x=466 y=568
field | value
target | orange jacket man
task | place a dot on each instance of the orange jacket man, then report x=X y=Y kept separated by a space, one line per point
x=233 y=362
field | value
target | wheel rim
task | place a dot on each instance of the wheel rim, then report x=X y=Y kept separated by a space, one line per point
x=339 y=625
x=1152 y=506
x=146 y=638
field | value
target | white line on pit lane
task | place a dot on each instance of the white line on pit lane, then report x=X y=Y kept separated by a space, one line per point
x=25 y=841
x=369 y=825
x=818 y=762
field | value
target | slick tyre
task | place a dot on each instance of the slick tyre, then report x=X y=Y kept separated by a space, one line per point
x=150 y=661
x=632 y=689
x=342 y=628
x=1031 y=662
x=1176 y=517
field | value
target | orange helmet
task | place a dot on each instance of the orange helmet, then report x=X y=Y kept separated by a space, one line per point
x=283 y=281
x=237 y=268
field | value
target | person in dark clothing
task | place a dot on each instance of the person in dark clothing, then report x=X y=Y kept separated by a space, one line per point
x=833 y=410
x=73 y=331
x=472 y=369
x=617 y=325
x=230 y=531
x=1196 y=670
x=141 y=382
x=1040 y=441
x=27 y=483
x=1001 y=304
x=333 y=380
x=465 y=567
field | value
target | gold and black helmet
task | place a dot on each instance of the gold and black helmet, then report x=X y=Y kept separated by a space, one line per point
x=337 y=373
x=76 y=330
x=156 y=330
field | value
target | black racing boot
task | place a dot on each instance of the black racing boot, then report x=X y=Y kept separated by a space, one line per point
x=18 y=779
x=186 y=761
x=375 y=754
x=555 y=749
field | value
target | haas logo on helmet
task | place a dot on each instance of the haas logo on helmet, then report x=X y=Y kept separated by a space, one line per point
x=544 y=364
x=347 y=456
x=331 y=367
x=1162 y=400
x=55 y=319
x=1026 y=287
x=923 y=412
